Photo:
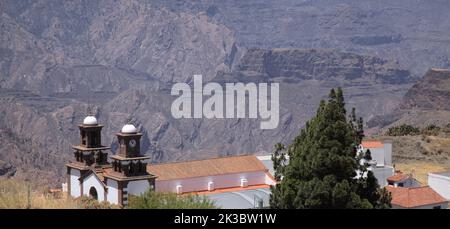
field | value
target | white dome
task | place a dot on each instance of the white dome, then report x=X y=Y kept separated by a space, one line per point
x=90 y=120
x=129 y=129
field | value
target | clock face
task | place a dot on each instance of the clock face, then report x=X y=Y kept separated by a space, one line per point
x=132 y=143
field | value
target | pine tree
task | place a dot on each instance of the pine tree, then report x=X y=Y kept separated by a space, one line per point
x=368 y=155
x=323 y=164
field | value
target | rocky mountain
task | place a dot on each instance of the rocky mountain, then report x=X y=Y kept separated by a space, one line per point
x=415 y=33
x=121 y=58
x=426 y=102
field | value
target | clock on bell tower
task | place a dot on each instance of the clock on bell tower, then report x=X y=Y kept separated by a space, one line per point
x=129 y=141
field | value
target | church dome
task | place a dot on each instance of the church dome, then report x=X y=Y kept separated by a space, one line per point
x=90 y=120
x=129 y=129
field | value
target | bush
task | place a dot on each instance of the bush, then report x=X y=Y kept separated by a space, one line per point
x=446 y=129
x=158 y=200
x=403 y=130
x=431 y=130
x=89 y=203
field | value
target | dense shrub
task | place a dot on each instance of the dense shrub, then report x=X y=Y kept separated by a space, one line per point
x=431 y=130
x=89 y=203
x=403 y=130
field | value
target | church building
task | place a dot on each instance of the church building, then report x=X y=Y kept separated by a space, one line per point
x=113 y=178
x=91 y=174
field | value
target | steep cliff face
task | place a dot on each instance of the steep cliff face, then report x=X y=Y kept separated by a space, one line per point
x=319 y=64
x=426 y=102
x=417 y=35
x=431 y=92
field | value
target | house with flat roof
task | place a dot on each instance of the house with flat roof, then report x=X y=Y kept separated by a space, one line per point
x=381 y=162
x=440 y=182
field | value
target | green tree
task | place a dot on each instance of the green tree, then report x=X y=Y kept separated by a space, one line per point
x=323 y=164
x=159 y=200
x=279 y=160
x=368 y=155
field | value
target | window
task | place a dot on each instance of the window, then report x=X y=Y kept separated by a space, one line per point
x=437 y=207
x=93 y=193
x=400 y=184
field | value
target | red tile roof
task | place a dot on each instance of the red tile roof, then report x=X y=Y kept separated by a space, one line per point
x=397 y=177
x=414 y=197
x=372 y=144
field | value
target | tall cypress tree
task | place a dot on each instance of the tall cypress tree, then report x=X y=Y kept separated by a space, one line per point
x=323 y=164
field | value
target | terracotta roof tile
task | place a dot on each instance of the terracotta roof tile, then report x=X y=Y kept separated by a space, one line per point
x=208 y=167
x=372 y=144
x=397 y=177
x=414 y=197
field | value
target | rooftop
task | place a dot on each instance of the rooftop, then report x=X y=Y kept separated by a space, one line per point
x=414 y=197
x=372 y=144
x=398 y=177
x=207 y=167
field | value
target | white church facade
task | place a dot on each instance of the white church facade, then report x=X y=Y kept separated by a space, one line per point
x=91 y=174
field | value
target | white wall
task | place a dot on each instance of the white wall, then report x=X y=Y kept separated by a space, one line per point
x=93 y=181
x=269 y=180
x=387 y=152
x=201 y=183
x=382 y=173
x=113 y=191
x=138 y=187
x=378 y=155
x=74 y=183
x=440 y=183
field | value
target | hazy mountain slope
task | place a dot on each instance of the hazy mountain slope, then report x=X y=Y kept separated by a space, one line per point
x=122 y=57
x=426 y=102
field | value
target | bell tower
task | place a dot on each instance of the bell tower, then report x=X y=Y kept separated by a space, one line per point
x=90 y=150
x=129 y=165
x=129 y=142
x=129 y=161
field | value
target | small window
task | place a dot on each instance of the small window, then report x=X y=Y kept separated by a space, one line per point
x=93 y=193
x=400 y=184
x=437 y=207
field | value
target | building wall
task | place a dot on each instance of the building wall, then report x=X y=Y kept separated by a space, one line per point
x=387 y=152
x=408 y=183
x=75 y=190
x=93 y=181
x=270 y=180
x=138 y=187
x=382 y=173
x=440 y=184
x=113 y=192
x=378 y=155
x=201 y=183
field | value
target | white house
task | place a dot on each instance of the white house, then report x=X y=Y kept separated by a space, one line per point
x=381 y=163
x=440 y=182
x=403 y=180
